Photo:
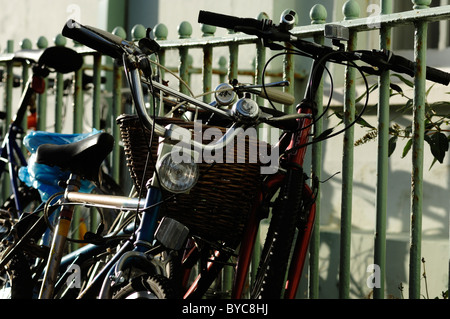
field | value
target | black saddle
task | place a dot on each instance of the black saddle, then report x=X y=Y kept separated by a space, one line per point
x=82 y=158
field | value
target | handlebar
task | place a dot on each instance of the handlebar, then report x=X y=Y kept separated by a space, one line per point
x=134 y=60
x=99 y=40
x=396 y=63
x=229 y=22
x=269 y=31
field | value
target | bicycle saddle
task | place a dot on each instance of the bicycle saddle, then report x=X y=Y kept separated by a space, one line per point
x=57 y=58
x=82 y=158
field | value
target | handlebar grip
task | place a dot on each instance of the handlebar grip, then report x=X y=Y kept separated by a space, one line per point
x=277 y=96
x=99 y=40
x=228 y=22
x=438 y=76
x=402 y=64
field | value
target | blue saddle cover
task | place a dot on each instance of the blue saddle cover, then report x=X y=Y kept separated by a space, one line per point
x=43 y=177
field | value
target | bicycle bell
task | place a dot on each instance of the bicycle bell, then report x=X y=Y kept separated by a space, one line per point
x=245 y=109
x=224 y=94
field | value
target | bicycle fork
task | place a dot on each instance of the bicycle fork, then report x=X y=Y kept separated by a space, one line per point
x=58 y=243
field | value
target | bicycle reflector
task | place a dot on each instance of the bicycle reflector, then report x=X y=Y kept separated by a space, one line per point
x=178 y=173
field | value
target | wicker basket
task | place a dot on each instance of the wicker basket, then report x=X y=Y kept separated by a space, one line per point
x=218 y=206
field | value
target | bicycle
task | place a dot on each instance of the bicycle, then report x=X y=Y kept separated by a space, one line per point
x=164 y=246
x=12 y=157
x=31 y=185
x=289 y=180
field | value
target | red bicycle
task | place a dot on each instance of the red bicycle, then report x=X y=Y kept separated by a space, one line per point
x=294 y=204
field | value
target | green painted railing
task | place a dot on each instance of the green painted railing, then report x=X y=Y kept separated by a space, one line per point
x=419 y=16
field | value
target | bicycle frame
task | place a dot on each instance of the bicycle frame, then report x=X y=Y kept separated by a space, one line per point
x=271 y=185
x=144 y=235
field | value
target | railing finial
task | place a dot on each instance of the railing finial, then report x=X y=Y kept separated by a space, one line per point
x=184 y=30
x=60 y=40
x=42 y=42
x=421 y=4
x=138 y=32
x=318 y=14
x=208 y=30
x=351 y=10
x=120 y=32
x=26 y=44
x=262 y=16
x=160 y=31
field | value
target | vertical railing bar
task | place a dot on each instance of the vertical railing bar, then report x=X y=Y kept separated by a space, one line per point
x=78 y=104
x=96 y=94
x=347 y=162
x=318 y=15
x=288 y=75
x=6 y=187
x=116 y=109
x=42 y=109
x=183 y=71
x=207 y=63
x=26 y=44
x=59 y=95
x=259 y=68
x=233 y=61
x=207 y=72
x=184 y=32
x=9 y=84
x=260 y=61
x=160 y=31
x=420 y=49
x=59 y=91
x=232 y=74
x=382 y=164
x=42 y=43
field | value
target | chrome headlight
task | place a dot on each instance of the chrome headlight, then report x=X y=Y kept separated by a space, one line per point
x=177 y=176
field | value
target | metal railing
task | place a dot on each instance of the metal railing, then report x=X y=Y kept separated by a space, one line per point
x=419 y=16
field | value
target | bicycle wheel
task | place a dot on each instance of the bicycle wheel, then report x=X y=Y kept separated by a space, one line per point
x=17 y=281
x=270 y=278
x=147 y=287
x=29 y=198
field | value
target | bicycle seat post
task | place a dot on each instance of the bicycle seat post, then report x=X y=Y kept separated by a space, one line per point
x=58 y=244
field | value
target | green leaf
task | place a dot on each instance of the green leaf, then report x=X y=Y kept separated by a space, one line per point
x=339 y=116
x=404 y=80
x=439 y=145
x=371 y=89
x=407 y=148
x=397 y=88
x=392 y=145
x=324 y=134
x=364 y=123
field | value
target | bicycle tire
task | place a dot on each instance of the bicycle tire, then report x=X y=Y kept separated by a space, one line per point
x=27 y=196
x=270 y=278
x=147 y=287
x=17 y=281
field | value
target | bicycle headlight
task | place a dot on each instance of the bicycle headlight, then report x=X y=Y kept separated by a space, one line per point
x=177 y=176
